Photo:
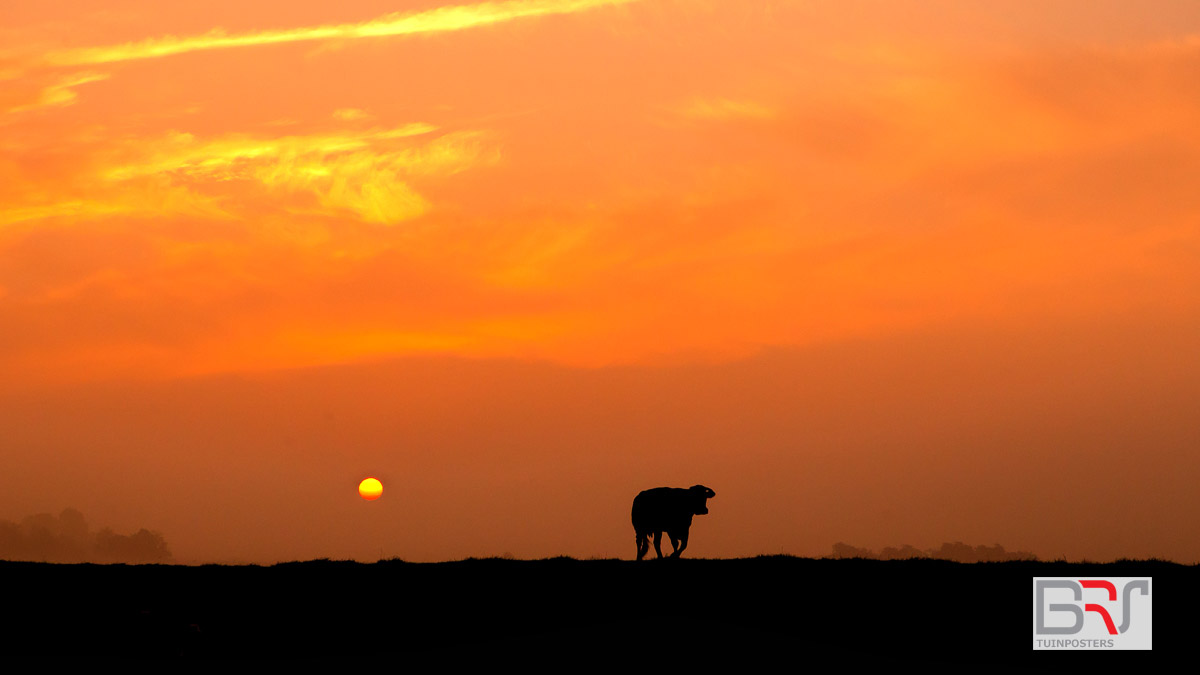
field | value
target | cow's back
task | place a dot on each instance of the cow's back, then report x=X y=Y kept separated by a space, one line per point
x=659 y=508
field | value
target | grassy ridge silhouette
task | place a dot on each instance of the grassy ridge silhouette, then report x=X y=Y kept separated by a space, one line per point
x=820 y=611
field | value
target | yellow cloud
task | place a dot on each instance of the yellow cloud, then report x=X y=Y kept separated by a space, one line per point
x=60 y=93
x=441 y=19
x=181 y=152
x=371 y=183
x=40 y=212
x=363 y=173
x=366 y=174
x=157 y=201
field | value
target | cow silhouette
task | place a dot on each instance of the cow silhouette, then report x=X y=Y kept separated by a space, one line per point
x=667 y=510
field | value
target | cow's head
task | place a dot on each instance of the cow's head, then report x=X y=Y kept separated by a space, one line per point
x=700 y=496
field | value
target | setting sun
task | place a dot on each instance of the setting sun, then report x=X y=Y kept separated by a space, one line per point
x=370 y=489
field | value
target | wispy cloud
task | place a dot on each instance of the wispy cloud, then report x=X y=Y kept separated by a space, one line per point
x=60 y=93
x=362 y=174
x=220 y=157
x=441 y=19
x=158 y=202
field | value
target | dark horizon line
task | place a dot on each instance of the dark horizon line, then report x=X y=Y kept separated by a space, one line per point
x=645 y=563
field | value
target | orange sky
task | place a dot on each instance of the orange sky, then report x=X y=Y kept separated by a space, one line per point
x=883 y=272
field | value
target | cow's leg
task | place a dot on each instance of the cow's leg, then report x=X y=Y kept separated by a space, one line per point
x=674 y=545
x=682 y=544
x=643 y=544
x=658 y=543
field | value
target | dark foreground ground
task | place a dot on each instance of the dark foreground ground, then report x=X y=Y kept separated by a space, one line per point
x=571 y=614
